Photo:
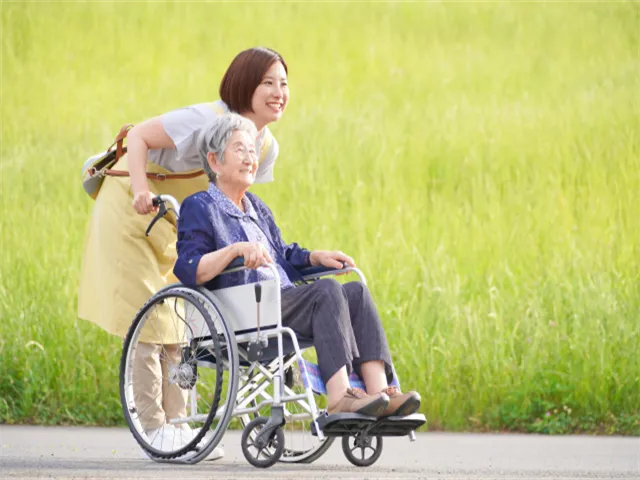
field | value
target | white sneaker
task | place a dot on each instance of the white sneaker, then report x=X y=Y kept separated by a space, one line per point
x=188 y=433
x=170 y=438
x=216 y=454
x=166 y=438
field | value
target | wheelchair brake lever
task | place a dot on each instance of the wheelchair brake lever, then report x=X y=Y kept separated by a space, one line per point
x=263 y=340
x=162 y=211
x=254 y=350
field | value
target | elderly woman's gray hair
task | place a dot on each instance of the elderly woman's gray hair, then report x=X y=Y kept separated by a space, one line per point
x=215 y=137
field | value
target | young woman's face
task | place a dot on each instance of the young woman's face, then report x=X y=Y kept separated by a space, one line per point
x=271 y=96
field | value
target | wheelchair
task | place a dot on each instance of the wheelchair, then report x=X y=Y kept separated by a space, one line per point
x=227 y=357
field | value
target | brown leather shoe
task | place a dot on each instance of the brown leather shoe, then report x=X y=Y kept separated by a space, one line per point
x=357 y=401
x=400 y=404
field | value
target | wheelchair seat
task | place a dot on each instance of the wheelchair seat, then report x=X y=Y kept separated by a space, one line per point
x=269 y=353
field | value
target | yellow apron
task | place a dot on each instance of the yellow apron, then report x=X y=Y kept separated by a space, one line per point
x=121 y=268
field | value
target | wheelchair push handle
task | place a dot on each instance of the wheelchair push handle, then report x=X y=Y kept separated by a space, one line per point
x=164 y=199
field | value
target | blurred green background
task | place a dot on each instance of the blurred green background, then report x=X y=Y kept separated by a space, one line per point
x=479 y=160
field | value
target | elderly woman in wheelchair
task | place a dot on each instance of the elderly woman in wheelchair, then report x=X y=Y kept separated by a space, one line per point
x=215 y=228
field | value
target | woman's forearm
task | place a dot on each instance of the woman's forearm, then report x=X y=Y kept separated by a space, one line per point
x=213 y=263
x=137 y=153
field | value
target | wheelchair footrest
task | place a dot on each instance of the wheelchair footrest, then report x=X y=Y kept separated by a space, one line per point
x=398 y=426
x=340 y=424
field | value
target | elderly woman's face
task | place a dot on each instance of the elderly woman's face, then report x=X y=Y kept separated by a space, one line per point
x=240 y=161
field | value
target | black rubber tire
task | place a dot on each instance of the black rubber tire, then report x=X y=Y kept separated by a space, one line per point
x=366 y=441
x=278 y=436
x=159 y=297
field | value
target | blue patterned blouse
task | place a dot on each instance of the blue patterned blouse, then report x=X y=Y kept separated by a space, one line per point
x=210 y=221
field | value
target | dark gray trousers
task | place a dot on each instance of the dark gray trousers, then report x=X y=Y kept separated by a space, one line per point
x=343 y=322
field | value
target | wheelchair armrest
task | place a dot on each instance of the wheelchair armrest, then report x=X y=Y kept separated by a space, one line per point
x=309 y=273
x=238 y=262
x=236 y=265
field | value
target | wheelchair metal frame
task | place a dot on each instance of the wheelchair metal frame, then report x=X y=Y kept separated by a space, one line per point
x=281 y=396
x=264 y=373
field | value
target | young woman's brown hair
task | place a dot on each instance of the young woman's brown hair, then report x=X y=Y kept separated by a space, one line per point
x=244 y=75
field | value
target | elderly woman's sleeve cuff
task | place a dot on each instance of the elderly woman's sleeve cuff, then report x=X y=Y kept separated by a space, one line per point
x=185 y=269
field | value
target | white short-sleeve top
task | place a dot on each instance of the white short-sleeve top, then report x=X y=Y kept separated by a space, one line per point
x=183 y=127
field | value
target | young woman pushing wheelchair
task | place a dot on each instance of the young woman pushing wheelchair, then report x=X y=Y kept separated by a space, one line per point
x=122 y=268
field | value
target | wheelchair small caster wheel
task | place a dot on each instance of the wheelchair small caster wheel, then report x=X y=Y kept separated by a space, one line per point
x=362 y=450
x=261 y=452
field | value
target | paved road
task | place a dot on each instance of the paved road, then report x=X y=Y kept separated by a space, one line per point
x=101 y=453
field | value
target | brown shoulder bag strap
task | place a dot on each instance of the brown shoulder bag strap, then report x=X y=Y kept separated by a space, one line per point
x=121 y=150
x=119 y=141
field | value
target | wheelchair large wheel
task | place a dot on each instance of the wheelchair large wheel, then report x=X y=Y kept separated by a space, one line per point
x=178 y=372
x=300 y=445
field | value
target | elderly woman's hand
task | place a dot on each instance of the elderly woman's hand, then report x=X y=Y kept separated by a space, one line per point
x=254 y=253
x=330 y=259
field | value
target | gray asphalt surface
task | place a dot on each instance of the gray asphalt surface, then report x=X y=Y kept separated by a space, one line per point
x=105 y=453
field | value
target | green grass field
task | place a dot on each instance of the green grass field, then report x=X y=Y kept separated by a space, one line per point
x=481 y=161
